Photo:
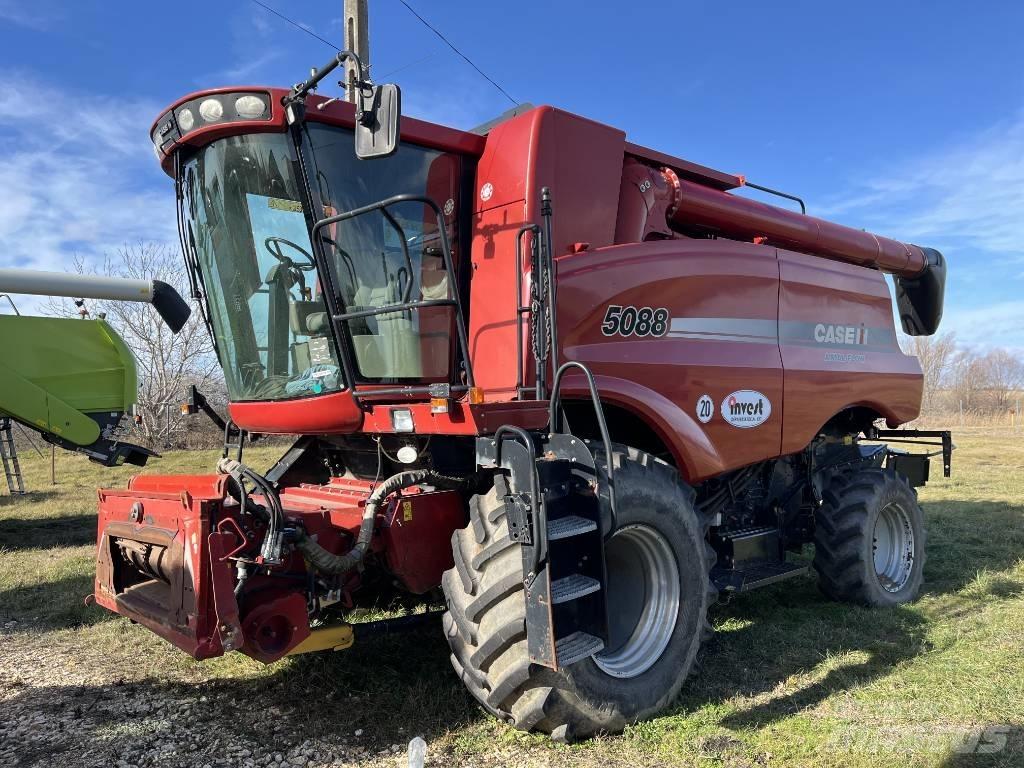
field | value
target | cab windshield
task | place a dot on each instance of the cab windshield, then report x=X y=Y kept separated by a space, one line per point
x=265 y=295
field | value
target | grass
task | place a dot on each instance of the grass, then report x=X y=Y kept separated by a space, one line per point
x=790 y=679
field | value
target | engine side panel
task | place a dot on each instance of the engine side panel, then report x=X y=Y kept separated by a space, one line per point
x=711 y=383
x=793 y=339
x=839 y=347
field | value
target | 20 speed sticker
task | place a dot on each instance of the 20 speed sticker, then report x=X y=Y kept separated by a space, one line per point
x=746 y=408
x=705 y=408
x=634 y=321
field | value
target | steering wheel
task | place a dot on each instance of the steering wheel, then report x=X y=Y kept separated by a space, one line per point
x=273 y=246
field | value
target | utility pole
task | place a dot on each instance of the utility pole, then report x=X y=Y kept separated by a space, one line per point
x=357 y=40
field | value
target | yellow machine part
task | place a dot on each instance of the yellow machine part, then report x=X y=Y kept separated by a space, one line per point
x=55 y=370
x=334 y=638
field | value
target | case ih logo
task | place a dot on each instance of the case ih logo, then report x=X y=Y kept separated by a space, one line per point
x=746 y=408
x=840 y=334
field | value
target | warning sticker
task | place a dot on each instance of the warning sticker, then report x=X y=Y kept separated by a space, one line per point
x=705 y=409
x=280 y=204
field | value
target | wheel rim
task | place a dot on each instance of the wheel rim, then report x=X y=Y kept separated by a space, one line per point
x=643 y=600
x=893 y=546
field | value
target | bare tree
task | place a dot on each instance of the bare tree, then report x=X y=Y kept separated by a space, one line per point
x=936 y=355
x=1004 y=374
x=968 y=381
x=167 y=362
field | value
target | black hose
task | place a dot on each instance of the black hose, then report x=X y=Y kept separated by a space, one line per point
x=336 y=565
x=270 y=550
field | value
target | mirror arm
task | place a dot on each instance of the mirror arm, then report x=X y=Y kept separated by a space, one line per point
x=301 y=90
x=378 y=109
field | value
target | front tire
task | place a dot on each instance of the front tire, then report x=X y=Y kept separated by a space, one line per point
x=870 y=539
x=655 y=631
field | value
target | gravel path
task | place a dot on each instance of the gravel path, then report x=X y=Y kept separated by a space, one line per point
x=59 y=706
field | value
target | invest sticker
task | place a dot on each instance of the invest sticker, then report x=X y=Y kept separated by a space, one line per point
x=746 y=408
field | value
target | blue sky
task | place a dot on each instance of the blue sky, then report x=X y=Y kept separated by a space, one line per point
x=904 y=118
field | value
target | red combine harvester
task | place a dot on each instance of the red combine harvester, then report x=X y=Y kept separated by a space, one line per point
x=574 y=384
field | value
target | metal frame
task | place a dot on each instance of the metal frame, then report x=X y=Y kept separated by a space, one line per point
x=455 y=302
x=920 y=437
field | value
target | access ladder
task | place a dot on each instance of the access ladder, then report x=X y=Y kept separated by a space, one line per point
x=9 y=454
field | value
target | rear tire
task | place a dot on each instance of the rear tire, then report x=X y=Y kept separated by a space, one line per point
x=486 y=628
x=870 y=539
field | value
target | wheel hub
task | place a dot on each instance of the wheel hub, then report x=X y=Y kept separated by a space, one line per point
x=893 y=546
x=644 y=593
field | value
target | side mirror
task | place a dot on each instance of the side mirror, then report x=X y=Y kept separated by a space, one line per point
x=378 y=121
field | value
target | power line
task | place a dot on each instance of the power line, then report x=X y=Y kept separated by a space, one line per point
x=425 y=23
x=391 y=72
x=311 y=33
x=297 y=25
x=447 y=42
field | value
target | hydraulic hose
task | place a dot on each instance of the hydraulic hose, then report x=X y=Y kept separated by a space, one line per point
x=271 y=513
x=336 y=565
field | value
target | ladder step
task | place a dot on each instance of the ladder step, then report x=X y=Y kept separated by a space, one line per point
x=573 y=525
x=752 y=577
x=9 y=454
x=576 y=647
x=572 y=588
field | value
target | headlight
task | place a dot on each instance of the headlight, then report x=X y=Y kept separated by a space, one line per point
x=186 y=120
x=211 y=110
x=208 y=111
x=401 y=420
x=250 y=107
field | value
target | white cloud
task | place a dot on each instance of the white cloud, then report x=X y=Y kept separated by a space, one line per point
x=242 y=72
x=19 y=14
x=968 y=195
x=78 y=174
x=250 y=33
x=967 y=200
x=994 y=325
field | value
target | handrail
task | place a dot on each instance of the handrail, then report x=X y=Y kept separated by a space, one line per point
x=11 y=302
x=555 y=422
x=394 y=308
x=446 y=252
x=777 y=193
x=520 y=308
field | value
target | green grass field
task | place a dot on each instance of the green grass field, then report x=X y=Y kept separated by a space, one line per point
x=790 y=679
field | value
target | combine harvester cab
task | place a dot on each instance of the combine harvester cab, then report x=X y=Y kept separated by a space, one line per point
x=576 y=386
x=72 y=380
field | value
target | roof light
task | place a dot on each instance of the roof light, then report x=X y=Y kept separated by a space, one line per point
x=211 y=110
x=186 y=120
x=250 y=107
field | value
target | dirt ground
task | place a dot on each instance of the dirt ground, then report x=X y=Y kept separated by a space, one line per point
x=790 y=679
